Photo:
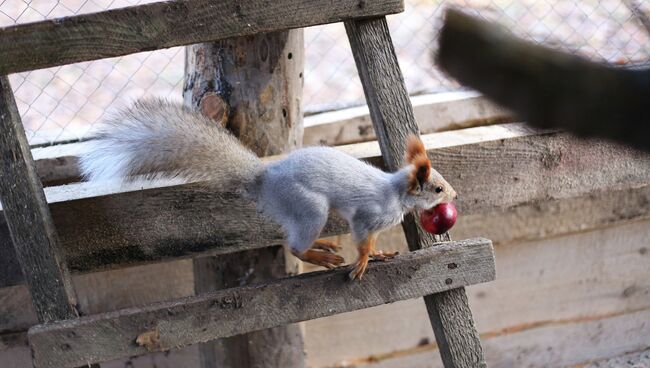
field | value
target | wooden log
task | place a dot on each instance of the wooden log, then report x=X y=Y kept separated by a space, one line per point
x=249 y=308
x=252 y=85
x=393 y=119
x=28 y=218
x=494 y=169
x=165 y=24
x=545 y=87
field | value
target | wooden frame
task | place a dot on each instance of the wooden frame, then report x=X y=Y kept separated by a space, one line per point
x=239 y=310
x=541 y=169
x=164 y=24
x=393 y=120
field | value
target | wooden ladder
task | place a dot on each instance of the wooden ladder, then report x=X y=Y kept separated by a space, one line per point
x=63 y=339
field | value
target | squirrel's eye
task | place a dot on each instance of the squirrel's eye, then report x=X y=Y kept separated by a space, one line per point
x=438 y=189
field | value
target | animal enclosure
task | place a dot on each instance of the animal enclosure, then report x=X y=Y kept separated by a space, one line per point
x=568 y=218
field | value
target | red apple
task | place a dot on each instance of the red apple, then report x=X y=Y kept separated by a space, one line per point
x=439 y=219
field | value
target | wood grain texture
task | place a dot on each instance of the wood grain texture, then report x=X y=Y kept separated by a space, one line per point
x=509 y=172
x=257 y=81
x=556 y=344
x=433 y=112
x=393 y=120
x=28 y=218
x=165 y=24
x=235 y=311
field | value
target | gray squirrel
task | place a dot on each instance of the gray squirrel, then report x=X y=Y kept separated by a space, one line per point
x=155 y=138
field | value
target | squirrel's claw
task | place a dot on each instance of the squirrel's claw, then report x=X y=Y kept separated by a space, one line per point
x=359 y=269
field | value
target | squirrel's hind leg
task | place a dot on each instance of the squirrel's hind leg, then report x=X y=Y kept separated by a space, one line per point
x=302 y=234
x=320 y=258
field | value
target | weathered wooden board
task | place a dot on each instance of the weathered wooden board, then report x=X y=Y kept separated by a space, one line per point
x=166 y=24
x=234 y=311
x=598 y=272
x=393 y=120
x=511 y=173
x=577 y=278
x=555 y=345
x=100 y=292
x=31 y=230
x=433 y=113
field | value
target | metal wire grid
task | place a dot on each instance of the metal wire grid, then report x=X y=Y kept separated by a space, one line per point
x=64 y=103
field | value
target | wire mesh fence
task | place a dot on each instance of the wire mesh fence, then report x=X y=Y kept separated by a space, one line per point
x=64 y=103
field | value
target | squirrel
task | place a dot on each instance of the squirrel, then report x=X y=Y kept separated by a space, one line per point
x=154 y=138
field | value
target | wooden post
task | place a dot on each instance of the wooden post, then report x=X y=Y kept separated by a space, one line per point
x=29 y=220
x=253 y=86
x=393 y=120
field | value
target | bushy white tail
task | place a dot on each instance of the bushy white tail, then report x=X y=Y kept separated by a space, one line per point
x=157 y=138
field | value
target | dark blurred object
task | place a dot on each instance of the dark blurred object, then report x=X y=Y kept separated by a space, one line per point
x=547 y=88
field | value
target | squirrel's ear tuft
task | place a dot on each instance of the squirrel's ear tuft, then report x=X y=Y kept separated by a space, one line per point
x=421 y=172
x=414 y=148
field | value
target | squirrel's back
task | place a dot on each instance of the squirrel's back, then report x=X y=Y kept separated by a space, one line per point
x=158 y=138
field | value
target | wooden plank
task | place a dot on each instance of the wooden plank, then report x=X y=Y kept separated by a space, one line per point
x=28 y=218
x=166 y=24
x=495 y=170
x=393 y=119
x=556 y=344
x=433 y=112
x=239 y=310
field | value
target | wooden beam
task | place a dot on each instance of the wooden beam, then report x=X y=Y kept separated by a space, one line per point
x=433 y=112
x=393 y=120
x=495 y=169
x=234 y=311
x=27 y=216
x=166 y=24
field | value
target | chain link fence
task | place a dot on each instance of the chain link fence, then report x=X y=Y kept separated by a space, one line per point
x=64 y=103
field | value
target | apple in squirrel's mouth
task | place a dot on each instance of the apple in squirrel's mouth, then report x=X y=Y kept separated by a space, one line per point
x=439 y=219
